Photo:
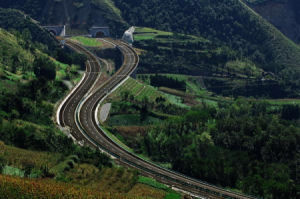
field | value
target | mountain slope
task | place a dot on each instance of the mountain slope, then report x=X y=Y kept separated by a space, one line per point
x=224 y=22
x=55 y=175
x=56 y=167
x=78 y=15
x=285 y=15
x=31 y=83
x=13 y=19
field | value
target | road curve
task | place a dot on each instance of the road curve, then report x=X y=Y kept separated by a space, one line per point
x=66 y=111
x=78 y=113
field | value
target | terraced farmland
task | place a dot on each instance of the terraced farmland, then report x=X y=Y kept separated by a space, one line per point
x=138 y=90
x=143 y=33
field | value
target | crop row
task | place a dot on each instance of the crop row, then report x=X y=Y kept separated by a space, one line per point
x=14 y=187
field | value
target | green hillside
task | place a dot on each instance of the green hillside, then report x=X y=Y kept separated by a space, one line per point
x=219 y=68
x=77 y=175
x=184 y=110
x=78 y=15
x=36 y=158
x=30 y=85
x=236 y=31
x=246 y=145
x=16 y=20
x=31 y=76
x=225 y=23
x=284 y=14
x=12 y=53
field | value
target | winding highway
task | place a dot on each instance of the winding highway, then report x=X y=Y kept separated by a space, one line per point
x=78 y=113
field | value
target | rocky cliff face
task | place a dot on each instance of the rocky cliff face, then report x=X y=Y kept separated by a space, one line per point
x=284 y=14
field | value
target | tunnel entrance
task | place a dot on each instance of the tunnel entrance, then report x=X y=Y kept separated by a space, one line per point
x=100 y=34
x=53 y=32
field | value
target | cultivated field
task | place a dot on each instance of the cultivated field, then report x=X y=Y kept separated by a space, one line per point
x=138 y=90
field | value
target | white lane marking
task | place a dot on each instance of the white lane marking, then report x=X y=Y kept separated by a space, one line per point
x=64 y=101
x=97 y=109
x=108 y=42
x=188 y=193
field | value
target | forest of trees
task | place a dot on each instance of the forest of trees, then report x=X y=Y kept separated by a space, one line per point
x=245 y=145
x=163 y=81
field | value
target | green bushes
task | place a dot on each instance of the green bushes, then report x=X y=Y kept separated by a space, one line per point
x=290 y=112
x=44 y=68
x=94 y=157
x=7 y=170
x=70 y=57
x=172 y=196
x=2 y=163
x=59 y=170
x=163 y=81
x=153 y=183
x=244 y=145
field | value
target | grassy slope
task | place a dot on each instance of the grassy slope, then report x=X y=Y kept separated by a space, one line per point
x=81 y=180
x=13 y=187
x=90 y=42
x=140 y=91
x=19 y=158
x=13 y=19
x=137 y=89
x=165 y=39
x=14 y=55
x=10 y=47
x=109 y=4
x=143 y=33
x=195 y=89
x=15 y=52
